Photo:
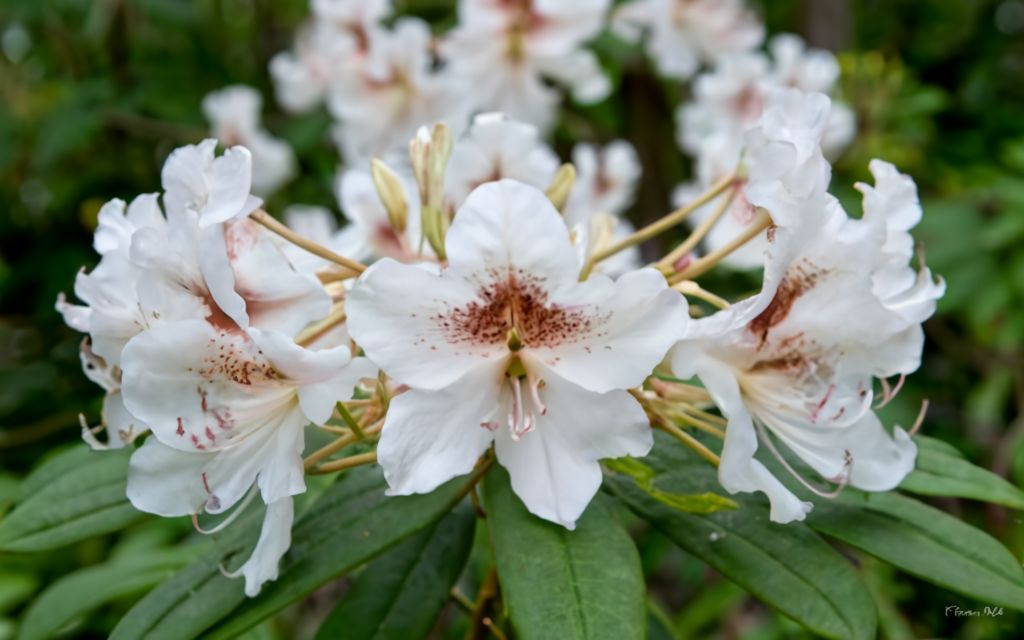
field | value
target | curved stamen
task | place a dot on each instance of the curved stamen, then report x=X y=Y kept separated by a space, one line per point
x=920 y=418
x=231 y=517
x=843 y=478
x=889 y=393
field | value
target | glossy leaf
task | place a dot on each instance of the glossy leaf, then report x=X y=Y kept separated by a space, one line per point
x=347 y=526
x=943 y=471
x=926 y=542
x=83 y=591
x=76 y=495
x=564 y=584
x=786 y=566
x=400 y=594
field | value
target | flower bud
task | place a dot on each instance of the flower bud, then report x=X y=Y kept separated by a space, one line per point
x=561 y=186
x=429 y=152
x=391 y=194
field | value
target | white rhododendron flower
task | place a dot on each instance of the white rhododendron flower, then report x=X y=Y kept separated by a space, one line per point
x=796 y=363
x=111 y=314
x=494 y=148
x=502 y=51
x=606 y=181
x=193 y=316
x=234 y=116
x=784 y=164
x=227 y=409
x=682 y=34
x=383 y=98
x=337 y=37
x=506 y=346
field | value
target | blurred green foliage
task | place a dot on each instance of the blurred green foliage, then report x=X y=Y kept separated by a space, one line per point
x=96 y=93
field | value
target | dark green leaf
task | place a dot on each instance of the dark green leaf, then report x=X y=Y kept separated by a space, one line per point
x=348 y=525
x=943 y=471
x=78 y=593
x=73 y=496
x=926 y=542
x=400 y=594
x=786 y=566
x=564 y=584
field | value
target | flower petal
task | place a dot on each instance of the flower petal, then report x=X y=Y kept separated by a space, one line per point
x=430 y=437
x=633 y=323
x=554 y=468
x=275 y=539
x=739 y=471
x=230 y=182
x=507 y=228
x=396 y=314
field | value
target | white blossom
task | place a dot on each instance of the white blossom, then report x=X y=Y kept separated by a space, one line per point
x=783 y=161
x=502 y=51
x=227 y=409
x=234 y=116
x=796 y=362
x=380 y=100
x=504 y=345
x=494 y=148
x=682 y=34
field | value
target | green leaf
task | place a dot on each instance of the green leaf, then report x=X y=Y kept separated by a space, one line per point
x=15 y=588
x=943 y=471
x=400 y=594
x=78 y=593
x=645 y=477
x=347 y=526
x=786 y=566
x=925 y=542
x=564 y=584
x=73 y=496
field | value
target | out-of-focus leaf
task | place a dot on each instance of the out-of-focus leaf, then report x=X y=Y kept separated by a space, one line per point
x=557 y=583
x=348 y=525
x=943 y=471
x=15 y=588
x=78 y=593
x=925 y=542
x=400 y=594
x=74 y=496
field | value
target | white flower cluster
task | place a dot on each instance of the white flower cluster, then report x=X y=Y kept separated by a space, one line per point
x=728 y=103
x=381 y=82
x=505 y=315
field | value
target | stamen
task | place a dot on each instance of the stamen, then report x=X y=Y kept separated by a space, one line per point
x=843 y=478
x=889 y=393
x=517 y=406
x=231 y=517
x=920 y=418
x=89 y=435
x=521 y=421
x=534 y=383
